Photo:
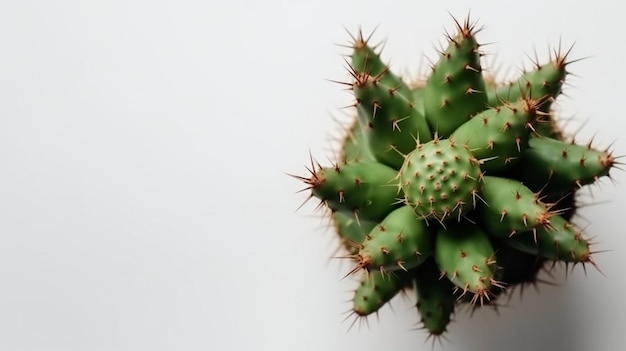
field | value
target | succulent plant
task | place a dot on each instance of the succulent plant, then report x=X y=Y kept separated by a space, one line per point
x=455 y=187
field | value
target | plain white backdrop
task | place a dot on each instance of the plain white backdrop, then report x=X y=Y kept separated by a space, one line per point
x=143 y=199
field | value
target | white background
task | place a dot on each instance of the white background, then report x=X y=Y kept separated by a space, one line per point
x=143 y=199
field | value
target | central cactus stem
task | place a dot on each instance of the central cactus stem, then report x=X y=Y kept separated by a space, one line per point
x=440 y=178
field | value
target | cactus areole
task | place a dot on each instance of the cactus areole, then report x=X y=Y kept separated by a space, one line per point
x=457 y=187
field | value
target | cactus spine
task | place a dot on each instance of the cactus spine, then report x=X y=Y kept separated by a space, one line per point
x=458 y=187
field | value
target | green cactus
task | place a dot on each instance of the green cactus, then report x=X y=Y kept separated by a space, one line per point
x=457 y=186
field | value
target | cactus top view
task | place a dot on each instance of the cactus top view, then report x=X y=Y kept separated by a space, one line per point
x=456 y=188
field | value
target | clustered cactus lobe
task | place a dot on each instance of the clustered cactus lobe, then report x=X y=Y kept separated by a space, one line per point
x=457 y=187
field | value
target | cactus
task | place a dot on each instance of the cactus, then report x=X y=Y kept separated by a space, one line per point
x=457 y=187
